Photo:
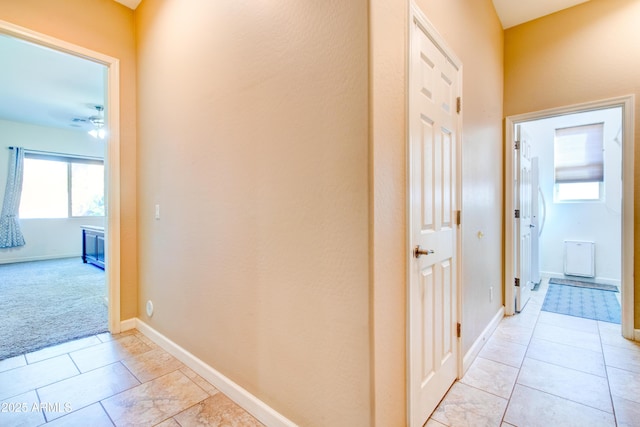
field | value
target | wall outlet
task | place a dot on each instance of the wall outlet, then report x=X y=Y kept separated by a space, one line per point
x=157 y=212
x=490 y=293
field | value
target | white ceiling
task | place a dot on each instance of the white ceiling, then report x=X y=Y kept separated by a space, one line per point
x=49 y=88
x=42 y=86
x=515 y=12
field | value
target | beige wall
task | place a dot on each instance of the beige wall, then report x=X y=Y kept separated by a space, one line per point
x=253 y=128
x=75 y=21
x=253 y=139
x=585 y=53
x=388 y=31
x=473 y=32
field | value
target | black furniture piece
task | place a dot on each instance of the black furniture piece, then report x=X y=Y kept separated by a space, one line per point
x=93 y=245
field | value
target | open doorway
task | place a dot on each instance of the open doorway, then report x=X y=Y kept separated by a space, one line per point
x=576 y=162
x=107 y=155
x=583 y=234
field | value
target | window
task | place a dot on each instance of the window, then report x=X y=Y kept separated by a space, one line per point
x=579 y=163
x=57 y=186
x=87 y=189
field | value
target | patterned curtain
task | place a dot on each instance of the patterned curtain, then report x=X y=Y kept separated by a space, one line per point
x=10 y=234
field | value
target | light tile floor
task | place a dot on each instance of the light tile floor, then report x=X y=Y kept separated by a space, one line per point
x=537 y=369
x=546 y=369
x=106 y=380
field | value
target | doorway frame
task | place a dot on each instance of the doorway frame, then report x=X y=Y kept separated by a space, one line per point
x=112 y=154
x=627 y=104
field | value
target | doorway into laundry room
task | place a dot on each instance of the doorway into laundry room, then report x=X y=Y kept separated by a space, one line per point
x=574 y=181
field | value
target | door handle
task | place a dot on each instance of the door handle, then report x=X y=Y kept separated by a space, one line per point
x=417 y=252
x=532 y=226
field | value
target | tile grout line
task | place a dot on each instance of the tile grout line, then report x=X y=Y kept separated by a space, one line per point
x=44 y=415
x=565 y=398
x=208 y=396
x=105 y=412
x=61 y=354
x=80 y=373
x=134 y=386
x=88 y=405
x=570 y=368
x=26 y=363
x=606 y=373
x=482 y=390
x=74 y=362
x=121 y=361
x=576 y=370
x=45 y=385
x=496 y=361
x=515 y=383
x=592 y=332
x=132 y=374
x=147 y=382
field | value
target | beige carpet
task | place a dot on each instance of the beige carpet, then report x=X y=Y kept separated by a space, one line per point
x=43 y=303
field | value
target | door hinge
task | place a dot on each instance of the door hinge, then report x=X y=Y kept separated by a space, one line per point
x=517 y=145
x=517 y=213
x=516 y=282
x=458 y=105
x=458 y=329
x=457 y=217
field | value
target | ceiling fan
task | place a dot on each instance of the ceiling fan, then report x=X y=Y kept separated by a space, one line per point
x=97 y=121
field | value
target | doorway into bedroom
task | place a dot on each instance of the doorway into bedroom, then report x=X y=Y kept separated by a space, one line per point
x=575 y=179
x=52 y=122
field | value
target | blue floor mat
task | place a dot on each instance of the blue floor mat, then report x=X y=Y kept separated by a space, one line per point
x=588 y=303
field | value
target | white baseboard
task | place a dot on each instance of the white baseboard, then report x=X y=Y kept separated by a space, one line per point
x=38 y=258
x=128 y=324
x=260 y=410
x=473 y=352
x=636 y=335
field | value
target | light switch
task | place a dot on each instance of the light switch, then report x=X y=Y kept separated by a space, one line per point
x=157 y=211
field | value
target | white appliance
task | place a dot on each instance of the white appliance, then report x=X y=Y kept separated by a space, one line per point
x=579 y=258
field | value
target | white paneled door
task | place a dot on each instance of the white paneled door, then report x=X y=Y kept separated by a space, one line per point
x=523 y=197
x=433 y=141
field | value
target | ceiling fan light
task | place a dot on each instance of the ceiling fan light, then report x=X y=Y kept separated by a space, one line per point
x=98 y=123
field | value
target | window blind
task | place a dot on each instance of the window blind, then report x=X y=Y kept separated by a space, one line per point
x=578 y=154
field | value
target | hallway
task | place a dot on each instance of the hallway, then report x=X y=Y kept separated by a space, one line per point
x=547 y=369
